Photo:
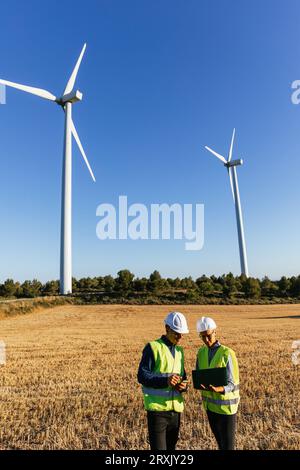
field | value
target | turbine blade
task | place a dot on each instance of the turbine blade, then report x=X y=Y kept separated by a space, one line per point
x=231 y=183
x=216 y=154
x=76 y=137
x=34 y=91
x=73 y=76
x=231 y=146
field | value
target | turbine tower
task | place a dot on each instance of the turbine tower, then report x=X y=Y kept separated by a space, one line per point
x=68 y=98
x=231 y=166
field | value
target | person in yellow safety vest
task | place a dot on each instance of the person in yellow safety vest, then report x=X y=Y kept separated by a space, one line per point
x=220 y=403
x=163 y=377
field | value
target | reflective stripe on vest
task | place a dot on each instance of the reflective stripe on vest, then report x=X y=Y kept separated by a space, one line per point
x=161 y=392
x=222 y=403
x=234 y=401
x=165 y=399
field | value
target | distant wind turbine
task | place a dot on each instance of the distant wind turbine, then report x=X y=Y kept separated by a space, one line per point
x=231 y=168
x=69 y=97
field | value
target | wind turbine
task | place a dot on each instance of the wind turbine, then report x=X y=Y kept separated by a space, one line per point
x=68 y=98
x=232 y=172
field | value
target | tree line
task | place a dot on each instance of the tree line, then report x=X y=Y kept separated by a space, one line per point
x=126 y=286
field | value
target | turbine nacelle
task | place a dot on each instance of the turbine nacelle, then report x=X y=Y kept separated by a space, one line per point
x=72 y=97
x=234 y=163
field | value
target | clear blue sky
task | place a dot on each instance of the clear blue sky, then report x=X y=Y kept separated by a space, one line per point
x=161 y=79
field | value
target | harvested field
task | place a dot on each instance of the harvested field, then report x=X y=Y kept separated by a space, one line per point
x=70 y=377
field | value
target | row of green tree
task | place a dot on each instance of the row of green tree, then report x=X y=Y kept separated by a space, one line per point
x=125 y=284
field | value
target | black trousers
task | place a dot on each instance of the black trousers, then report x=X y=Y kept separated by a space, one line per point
x=163 y=428
x=223 y=428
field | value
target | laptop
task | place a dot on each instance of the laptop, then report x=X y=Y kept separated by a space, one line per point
x=216 y=377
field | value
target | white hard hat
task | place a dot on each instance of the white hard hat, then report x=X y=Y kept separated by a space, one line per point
x=177 y=322
x=206 y=323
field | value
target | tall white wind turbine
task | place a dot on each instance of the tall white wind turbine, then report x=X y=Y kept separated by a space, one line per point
x=231 y=169
x=68 y=98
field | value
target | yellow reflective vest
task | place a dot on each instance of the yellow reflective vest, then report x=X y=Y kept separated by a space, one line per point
x=222 y=403
x=165 y=399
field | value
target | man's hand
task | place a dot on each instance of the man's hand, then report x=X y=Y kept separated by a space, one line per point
x=181 y=386
x=212 y=388
x=219 y=389
x=173 y=380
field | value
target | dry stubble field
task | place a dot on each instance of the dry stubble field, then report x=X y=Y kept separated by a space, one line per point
x=70 y=378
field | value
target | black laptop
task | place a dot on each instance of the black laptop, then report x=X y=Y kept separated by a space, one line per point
x=216 y=377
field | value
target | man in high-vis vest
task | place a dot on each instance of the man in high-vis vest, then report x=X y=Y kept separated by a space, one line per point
x=220 y=403
x=163 y=377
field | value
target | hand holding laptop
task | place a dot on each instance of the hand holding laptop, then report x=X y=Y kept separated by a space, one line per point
x=212 y=388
